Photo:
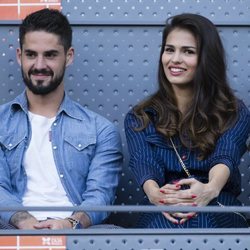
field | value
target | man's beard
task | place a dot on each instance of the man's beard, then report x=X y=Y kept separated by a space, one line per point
x=39 y=89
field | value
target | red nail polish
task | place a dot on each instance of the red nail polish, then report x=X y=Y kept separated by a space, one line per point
x=161 y=201
x=177 y=185
x=190 y=216
x=194 y=196
x=162 y=191
x=194 y=204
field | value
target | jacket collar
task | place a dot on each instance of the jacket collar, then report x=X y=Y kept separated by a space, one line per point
x=67 y=106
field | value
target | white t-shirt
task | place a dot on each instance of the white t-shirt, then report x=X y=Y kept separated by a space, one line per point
x=44 y=187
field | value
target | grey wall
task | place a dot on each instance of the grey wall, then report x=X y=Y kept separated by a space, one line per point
x=117 y=45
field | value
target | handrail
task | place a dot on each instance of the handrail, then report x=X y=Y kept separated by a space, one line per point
x=130 y=231
x=133 y=208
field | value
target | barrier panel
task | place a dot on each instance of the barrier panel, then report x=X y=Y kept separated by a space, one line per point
x=129 y=238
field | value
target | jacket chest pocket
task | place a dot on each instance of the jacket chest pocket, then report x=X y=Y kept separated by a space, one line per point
x=13 y=149
x=79 y=151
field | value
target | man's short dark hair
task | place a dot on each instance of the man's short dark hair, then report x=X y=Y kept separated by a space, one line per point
x=48 y=20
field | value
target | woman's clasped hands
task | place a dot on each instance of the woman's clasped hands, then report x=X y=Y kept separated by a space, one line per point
x=196 y=194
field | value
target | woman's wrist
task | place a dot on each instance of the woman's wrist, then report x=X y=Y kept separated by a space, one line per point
x=212 y=190
x=150 y=188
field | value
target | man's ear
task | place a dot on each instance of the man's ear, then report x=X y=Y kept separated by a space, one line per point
x=70 y=56
x=18 y=56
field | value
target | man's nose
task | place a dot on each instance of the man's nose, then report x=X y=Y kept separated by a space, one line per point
x=40 y=62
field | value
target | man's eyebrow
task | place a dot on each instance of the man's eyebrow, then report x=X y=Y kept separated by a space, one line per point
x=29 y=50
x=52 y=51
x=45 y=52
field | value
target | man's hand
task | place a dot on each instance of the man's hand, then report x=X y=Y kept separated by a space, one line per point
x=64 y=223
x=53 y=224
x=23 y=220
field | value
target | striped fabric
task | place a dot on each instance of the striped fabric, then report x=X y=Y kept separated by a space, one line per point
x=152 y=157
x=4 y=225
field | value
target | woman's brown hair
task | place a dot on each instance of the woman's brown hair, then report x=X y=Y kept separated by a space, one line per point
x=214 y=107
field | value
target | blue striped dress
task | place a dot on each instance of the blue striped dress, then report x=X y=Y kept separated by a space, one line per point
x=153 y=158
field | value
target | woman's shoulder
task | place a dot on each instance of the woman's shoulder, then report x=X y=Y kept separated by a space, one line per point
x=140 y=118
x=243 y=110
x=242 y=122
x=136 y=115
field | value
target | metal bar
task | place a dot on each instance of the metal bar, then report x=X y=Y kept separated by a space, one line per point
x=130 y=231
x=136 y=208
x=105 y=22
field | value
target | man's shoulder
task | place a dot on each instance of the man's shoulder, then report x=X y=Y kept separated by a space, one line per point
x=12 y=120
x=86 y=114
x=6 y=108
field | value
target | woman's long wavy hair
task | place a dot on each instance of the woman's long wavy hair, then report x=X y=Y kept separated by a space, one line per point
x=214 y=107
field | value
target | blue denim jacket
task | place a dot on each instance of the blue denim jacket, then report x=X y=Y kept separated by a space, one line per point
x=86 y=148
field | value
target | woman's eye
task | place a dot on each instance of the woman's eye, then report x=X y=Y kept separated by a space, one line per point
x=190 y=52
x=168 y=50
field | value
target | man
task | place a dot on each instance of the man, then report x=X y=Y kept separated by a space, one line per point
x=53 y=152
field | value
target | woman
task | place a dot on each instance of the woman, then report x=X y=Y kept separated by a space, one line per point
x=186 y=140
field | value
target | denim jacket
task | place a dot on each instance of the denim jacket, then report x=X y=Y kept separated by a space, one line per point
x=86 y=149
